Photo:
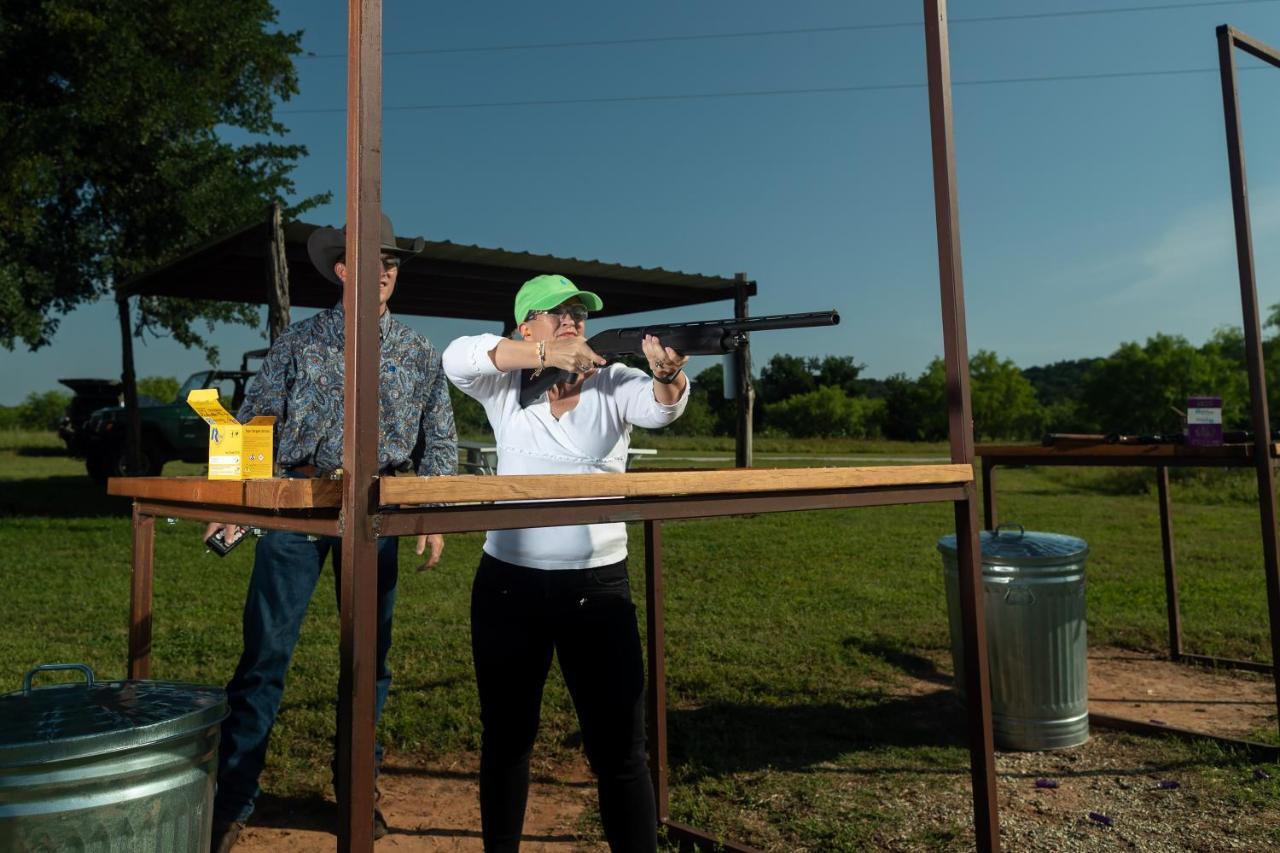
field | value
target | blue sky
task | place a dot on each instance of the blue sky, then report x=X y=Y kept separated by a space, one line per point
x=1093 y=211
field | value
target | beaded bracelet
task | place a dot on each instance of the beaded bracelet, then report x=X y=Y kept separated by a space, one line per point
x=542 y=358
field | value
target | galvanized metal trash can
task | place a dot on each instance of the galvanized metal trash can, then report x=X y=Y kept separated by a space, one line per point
x=108 y=766
x=1036 y=635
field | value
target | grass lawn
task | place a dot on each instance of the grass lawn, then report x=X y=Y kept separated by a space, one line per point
x=785 y=633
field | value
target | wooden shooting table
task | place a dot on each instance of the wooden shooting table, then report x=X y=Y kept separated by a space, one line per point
x=361 y=507
x=469 y=502
x=1161 y=457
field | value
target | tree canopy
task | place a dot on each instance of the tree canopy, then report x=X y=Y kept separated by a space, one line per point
x=113 y=150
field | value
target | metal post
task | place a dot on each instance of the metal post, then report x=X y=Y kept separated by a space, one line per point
x=141 y=585
x=989 y=494
x=129 y=379
x=744 y=449
x=656 y=637
x=955 y=349
x=358 y=590
x=1252 y=328
x=1170 y=567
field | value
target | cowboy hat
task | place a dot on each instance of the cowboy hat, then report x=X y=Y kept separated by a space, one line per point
x=326 y=245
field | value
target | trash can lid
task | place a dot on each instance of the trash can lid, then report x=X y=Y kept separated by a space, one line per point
x=89 y=718
x=1010 y=544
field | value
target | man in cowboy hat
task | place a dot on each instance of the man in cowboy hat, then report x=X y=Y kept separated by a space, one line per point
x=301 y=384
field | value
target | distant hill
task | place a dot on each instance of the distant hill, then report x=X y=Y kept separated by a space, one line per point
x=1060 y=381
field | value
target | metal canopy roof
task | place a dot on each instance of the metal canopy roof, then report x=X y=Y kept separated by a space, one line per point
x=446 y=280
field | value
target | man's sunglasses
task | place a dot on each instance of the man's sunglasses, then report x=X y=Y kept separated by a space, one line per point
x=389 y=262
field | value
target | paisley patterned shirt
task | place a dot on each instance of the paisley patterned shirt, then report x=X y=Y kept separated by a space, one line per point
x=300 y=383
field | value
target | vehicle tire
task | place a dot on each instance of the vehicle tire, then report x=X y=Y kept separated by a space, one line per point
x=149 y=464
x=97 y=466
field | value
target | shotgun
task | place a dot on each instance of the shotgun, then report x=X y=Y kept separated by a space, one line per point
x=706 y=337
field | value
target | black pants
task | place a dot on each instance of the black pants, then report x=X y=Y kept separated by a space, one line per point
x=519 y=617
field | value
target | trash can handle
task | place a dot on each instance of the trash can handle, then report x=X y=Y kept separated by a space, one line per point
x=1019 y=595
x=26 y=681
x=1022 y=531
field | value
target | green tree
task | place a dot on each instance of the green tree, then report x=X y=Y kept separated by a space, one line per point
x=696 y=420
x=468 y=416
x=1004 y=402
x=785 y=376
x=827 y=412
x=42 y=410
x=1224 y=356
x=709 y=385
x=905 y=410
x=162 y=388
x=111 y=160
x=839 y=371
x=1142 y=389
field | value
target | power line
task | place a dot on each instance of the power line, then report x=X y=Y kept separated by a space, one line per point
x=1076 y=13
x=765 y=93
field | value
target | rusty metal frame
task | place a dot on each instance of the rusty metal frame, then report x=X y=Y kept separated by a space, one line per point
x=360 y=520
x=1229 y=39
x=991 y=461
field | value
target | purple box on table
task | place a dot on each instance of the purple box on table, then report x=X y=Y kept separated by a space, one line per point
x=1204 y=421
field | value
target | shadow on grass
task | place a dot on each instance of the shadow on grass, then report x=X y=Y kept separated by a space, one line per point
x=62 y=497
x=35 y=450
x=314 y=813
x=535 y=777
x=915 y=665
x=723 y=739
x=310 y=812
x=320 y=703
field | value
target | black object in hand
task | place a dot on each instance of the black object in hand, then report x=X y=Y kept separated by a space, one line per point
x=219 y=545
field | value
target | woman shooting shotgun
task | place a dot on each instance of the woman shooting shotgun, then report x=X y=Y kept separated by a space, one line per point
x=562 y=590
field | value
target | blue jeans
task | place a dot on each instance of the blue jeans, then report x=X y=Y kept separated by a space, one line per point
x=286 y=568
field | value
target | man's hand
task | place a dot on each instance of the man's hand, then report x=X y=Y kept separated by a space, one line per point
x=436 y=541
x=230 y=532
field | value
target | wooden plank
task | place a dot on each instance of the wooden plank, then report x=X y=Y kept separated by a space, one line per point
x=283 y=493
x=293 y=493
x=192 y=489
x=527 y=487
x=1121 y=451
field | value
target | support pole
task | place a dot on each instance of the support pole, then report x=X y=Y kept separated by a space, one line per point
x=358 y=583
x=655 y=595
x=989 y=494
x=1170 y=567
x=1252 y=332
x=278 y=267
x=141 y=584
x=956 y=355
x=744 y=450
x=129 y=379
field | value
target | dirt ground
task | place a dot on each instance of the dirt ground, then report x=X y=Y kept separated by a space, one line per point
x=432 y=804
x=1141 y=687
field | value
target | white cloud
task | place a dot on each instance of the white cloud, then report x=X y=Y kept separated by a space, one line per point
x=1194 y=260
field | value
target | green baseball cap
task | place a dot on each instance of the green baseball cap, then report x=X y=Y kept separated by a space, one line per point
x=543 y=292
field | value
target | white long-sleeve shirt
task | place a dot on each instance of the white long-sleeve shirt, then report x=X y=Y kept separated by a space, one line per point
x=591 y=438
